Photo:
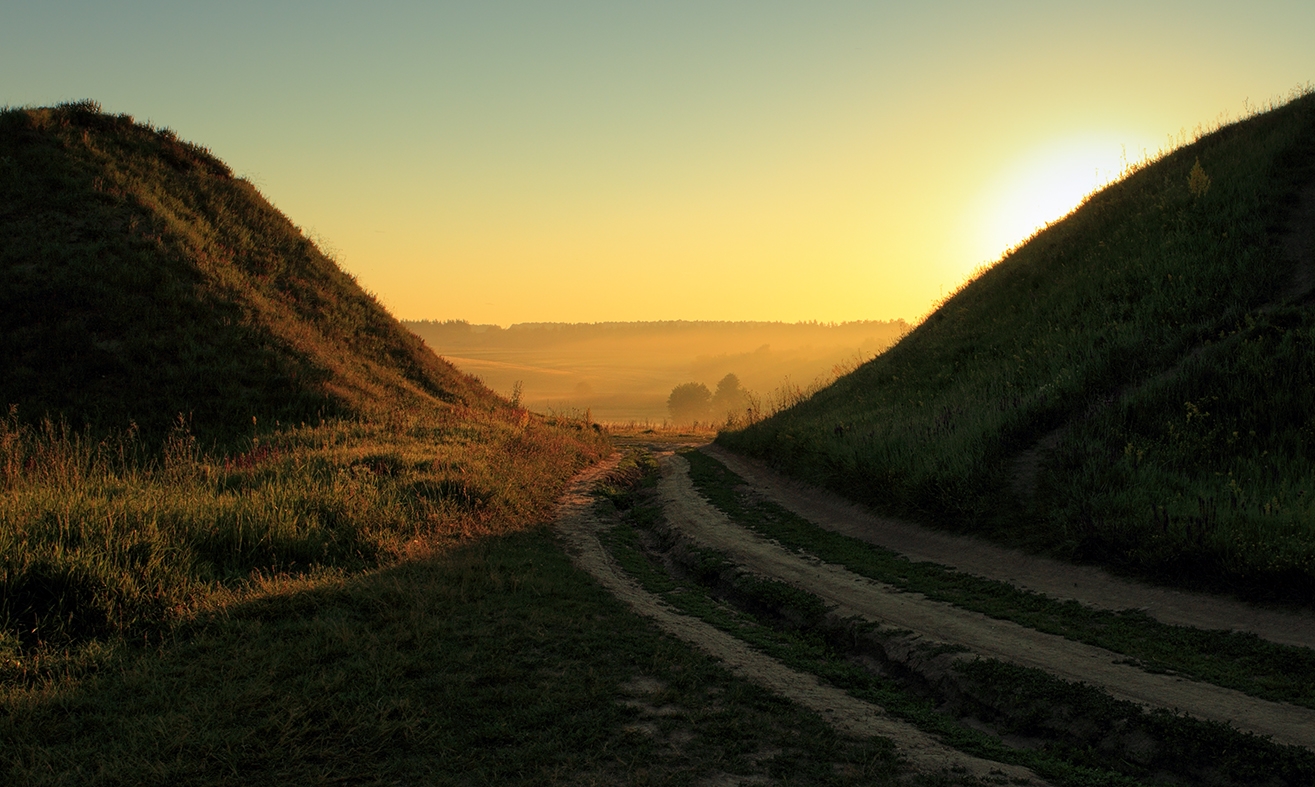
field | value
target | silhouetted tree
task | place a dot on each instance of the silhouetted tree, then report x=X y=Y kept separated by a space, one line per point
x=689 y=402
x=730 y=399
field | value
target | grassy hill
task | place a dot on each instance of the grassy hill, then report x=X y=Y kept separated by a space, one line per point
x=200 y=400
x=1135 y=385
x=140 y=280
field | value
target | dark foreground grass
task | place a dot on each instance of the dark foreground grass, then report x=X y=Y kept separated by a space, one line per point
x=1235 y=660
x=494 y=663
x=116 y=538
x=1075 y=731
x=1157 y=334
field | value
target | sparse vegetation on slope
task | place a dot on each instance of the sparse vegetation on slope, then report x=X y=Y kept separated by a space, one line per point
x=1130 y=386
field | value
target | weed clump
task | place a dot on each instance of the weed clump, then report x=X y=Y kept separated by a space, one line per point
x=1198 y=183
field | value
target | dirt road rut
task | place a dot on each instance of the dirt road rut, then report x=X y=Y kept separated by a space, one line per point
x=689 y=512
x=579 y=526
x=1085 y=584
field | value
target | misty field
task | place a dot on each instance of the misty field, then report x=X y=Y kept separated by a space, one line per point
x=622 y=372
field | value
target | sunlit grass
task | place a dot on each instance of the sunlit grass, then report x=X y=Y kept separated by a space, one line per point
x=112 y=538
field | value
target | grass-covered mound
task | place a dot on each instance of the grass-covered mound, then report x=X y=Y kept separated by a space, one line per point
x=1134 y=385
x=198 y=398
x=139 y=280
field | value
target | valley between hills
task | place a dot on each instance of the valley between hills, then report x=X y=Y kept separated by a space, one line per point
x=256 y=531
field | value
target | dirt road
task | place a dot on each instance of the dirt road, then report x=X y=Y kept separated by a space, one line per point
x=1086 y=584
x=579 y=526
x=687 y=511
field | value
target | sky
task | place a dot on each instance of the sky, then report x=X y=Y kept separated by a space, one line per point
x=505 y=162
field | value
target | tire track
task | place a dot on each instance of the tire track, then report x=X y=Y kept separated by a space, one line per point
x=690 y=513
x=1064 y=581
x=578 y=526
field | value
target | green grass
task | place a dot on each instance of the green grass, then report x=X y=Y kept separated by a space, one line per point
x=1069 y=718
x=253 y=532
x=1122 y=325
x=116 y=538
x=1206 y=474
x=139 y=279
x=493 y=663
x=1235 y=660
x=198 y=397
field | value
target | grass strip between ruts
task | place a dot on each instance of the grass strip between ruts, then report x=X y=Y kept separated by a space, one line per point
x=1240 y=755
x=1234 y=660
x=811 y=654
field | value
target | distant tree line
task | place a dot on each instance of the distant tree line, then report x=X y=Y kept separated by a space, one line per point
x=693 y=402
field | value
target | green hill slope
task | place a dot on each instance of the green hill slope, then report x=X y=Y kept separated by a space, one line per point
x=1135 y=385
x=139 y=280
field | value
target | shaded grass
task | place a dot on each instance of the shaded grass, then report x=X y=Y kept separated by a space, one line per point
x=1149 y=305
x=1208 y=474
x=493 y=663
x=140 y=279
x=1235 y=660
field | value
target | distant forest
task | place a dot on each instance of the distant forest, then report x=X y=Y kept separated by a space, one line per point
x=624 y=371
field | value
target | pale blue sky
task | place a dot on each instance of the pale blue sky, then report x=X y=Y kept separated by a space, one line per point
x=506 y=162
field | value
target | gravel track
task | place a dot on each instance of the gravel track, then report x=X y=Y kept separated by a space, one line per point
x=690 y=513
x=1064 y=581
x=578 y=527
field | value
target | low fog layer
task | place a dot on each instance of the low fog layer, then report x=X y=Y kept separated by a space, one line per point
x=627 y=371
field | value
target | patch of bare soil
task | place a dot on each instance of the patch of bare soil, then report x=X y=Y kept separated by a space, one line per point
x=578 y=526
x=1086 y=584
x=983 y=636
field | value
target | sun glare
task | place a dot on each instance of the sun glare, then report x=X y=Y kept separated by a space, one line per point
x=1043 y=185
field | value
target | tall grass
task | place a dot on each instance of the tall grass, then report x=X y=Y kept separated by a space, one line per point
x=1157 y=292
x=114 y=537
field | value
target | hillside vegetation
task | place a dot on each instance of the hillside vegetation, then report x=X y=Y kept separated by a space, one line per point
x=140 y=280
x=1135 y=385
x=199 y=400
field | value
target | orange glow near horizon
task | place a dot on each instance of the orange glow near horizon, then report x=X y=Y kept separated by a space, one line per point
x=511 y=161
